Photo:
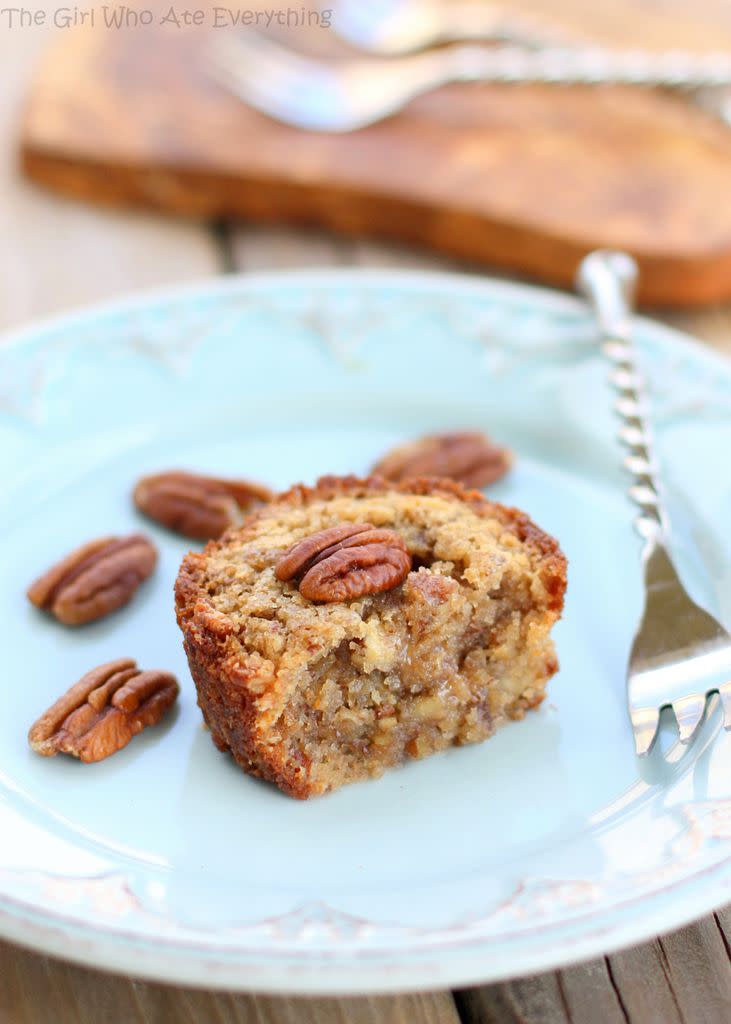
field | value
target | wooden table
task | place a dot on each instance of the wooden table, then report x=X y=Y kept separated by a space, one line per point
x=55 y=255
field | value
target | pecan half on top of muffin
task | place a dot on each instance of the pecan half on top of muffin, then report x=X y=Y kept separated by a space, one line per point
x=344 y=562
x=345 y=628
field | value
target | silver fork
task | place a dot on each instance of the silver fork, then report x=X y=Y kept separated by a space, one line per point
x=680 y=654
x=397 y=27
x=394 y=28
x=345 y=95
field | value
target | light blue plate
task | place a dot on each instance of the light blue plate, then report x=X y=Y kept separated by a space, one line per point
x=540 y=847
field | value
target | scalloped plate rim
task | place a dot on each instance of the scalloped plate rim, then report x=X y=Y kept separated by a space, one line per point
x=232 y=283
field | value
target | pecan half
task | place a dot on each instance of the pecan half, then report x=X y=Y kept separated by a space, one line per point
x=201 y=507
x=466 y=456
x=345 y=562
x=95 y=579
x=103 y=711
x=303 y=554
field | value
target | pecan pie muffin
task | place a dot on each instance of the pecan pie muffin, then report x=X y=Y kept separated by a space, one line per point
x=345 y=628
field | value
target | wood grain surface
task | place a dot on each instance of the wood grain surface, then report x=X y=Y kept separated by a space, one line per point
x=58 y=254
x=526 y=179
x=55 y=253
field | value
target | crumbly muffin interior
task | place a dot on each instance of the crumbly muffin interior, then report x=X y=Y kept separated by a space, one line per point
x=345 y=691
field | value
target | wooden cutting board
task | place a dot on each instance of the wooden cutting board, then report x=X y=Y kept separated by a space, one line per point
x=523 y=179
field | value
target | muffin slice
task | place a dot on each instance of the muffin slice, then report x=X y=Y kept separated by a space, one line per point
x=345 y=628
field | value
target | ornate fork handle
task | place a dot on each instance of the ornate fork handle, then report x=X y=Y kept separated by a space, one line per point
x=587 y=66
x=608 y=280
x=680 y=654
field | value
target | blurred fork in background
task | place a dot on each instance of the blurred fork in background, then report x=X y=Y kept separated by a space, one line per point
x=389 y=28
x=397 y=27
x=344 y=95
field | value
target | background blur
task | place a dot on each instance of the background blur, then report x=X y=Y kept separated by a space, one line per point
x=174 y=176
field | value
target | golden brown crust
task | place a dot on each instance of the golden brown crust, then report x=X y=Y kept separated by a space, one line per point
x=224 y=671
